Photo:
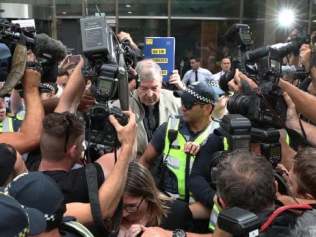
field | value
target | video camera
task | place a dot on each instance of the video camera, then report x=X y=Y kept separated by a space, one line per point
x=238 y=39
x=19 y=39
x=238 y=134
x=264 y=106
x=108 y=70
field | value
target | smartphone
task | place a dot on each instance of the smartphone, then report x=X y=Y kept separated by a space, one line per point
x=70 y=62
x=73 y=59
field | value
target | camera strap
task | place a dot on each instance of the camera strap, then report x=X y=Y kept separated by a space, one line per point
x=280 y=210
x=91 y=175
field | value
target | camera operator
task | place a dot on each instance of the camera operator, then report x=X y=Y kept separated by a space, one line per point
x=124 y=36
x=61 y=144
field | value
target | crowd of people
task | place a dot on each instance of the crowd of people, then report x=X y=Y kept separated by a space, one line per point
x=162 y=180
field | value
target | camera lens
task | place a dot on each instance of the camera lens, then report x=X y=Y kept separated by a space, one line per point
x=239 y=104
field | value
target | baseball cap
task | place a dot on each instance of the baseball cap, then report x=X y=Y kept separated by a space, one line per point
x=200 y=92
x=17 y=220
x=7 y=162
x=39 y=191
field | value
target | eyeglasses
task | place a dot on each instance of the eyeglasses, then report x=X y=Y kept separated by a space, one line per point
x=131 y=208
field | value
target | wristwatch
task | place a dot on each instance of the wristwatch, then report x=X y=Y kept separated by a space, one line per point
x=179 y=233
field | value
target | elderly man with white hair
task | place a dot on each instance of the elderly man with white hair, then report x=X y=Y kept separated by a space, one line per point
x=151 y=104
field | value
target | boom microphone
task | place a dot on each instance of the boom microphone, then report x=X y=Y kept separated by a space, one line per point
x=49 y=47
x=49 y=52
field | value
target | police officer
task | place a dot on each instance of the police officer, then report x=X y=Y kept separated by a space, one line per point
x=8 y=124
x=178 y=141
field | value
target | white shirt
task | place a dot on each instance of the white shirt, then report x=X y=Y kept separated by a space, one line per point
x=202 y=73
x=218 y=75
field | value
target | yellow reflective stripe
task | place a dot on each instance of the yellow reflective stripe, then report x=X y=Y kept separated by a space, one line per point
x=20 y=116
x=287 y=139
x=7 y=125
x=211 y=227
x=213 y=217
x=225 y=142
x=179 y=172
x=11 y=129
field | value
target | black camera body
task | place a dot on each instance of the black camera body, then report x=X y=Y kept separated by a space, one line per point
x=98 y=120
x=108 y=72
x=239 y=222
x=238 y=39
x=239 y=133
x=264 y=106
x=47 y=50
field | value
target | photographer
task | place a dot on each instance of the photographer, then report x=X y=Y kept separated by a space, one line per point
x=124 y=36
x=62 y=138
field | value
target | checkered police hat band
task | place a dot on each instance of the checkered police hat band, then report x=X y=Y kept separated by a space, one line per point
x=197 y=96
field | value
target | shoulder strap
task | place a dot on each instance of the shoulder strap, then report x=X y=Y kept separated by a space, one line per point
x=91 y=175
x=280 y=210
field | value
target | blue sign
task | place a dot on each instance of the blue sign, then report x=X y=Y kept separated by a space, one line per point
x=162 y=51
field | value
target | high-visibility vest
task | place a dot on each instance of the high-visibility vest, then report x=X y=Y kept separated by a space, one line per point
x=8 y=125
x=176 y=160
